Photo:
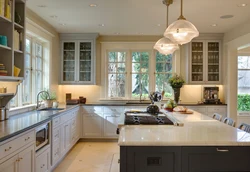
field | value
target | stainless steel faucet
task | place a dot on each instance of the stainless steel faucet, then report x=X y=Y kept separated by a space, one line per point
x=37 y=98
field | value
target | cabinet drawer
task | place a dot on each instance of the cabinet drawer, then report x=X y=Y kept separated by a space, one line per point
x=65 y=118
x=55 y=151
x=17 y=143
x=113 y=109
x=56 y=121
x=43 y=161
x=216 y=110
x=93 y=109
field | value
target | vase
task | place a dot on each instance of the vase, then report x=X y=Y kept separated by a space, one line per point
x=176 y=94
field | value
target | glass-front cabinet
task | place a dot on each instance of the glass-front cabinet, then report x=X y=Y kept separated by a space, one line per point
x=205 y=61
x=78 y=60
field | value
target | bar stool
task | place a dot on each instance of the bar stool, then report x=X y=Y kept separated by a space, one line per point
x=229 y=121
x=217 y=116
x=244 y=127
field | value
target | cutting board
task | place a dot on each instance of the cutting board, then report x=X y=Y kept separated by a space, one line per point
x=187 y=112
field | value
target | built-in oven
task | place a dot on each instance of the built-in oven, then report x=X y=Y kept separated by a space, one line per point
x=42 y=136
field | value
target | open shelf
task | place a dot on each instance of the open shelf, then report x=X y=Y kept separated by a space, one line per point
x=11 y=78
x=18 y=51
x=18 y=26
x=4 y=19
x=4 y=47
x=6 y=94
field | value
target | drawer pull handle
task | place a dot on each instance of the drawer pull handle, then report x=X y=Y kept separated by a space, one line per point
x=8 y=149
x=27 y=138
x=222 y=150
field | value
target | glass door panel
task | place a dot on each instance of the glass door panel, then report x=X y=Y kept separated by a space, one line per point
x=85 y=61
x=213 y=61
x=69 y=59
x=197 y=61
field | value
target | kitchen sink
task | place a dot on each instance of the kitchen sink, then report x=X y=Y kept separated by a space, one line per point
x=50 y=109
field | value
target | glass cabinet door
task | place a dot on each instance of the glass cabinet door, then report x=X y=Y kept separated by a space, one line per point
x=85 y=61
x=69 y=58
x=213 y=61
x=197 y=61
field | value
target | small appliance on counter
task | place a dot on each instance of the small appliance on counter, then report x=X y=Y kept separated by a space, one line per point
x=211 y=95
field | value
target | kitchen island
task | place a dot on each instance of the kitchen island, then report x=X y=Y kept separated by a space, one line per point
x=201 y=144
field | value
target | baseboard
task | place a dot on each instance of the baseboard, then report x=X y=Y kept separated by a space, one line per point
x=97 y=140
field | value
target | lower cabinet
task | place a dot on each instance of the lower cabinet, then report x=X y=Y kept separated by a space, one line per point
x=215 y=159
x=110 y=125
x=150 y=159
x=92 y=125
x=21 y=162
x=210 y=110
x=65 y=133
x=43 y=161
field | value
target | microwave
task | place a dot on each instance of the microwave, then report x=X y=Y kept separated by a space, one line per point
x=42 y=136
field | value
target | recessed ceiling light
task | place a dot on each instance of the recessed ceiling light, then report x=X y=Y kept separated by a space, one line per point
x=226 y=16
x=214 y=25
x=242 y=5
x=117 y=33
x=62 y=24
x=101 y=25
x=159 y=25
x=92 y=5
x=42 y=6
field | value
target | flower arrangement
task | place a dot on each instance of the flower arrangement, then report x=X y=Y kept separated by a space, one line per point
x=176 y=81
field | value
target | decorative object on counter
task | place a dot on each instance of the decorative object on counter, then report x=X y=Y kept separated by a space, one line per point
x=3 y=40
x=3 y=90
x=16 y=71
x=181 y=31
x=68 y=96
x=72 y=102
x=3 y=71
x=48 y=97
x=210 y=95
x=82 y=100
x=165 y=45
x=154 y=97
x=176 y=83
x=170 y=105
x=55 y=104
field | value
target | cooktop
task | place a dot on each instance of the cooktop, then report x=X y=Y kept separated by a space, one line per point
x=144 y=118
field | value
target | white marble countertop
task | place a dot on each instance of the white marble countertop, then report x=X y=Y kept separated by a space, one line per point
x=198 y=130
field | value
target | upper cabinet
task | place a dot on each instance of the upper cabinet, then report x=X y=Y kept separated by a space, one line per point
x=12 y=39
x=205 y=62
x=78 y=58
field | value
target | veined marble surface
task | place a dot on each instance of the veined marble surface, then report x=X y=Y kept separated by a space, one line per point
x=28 y=120
x=198 y=130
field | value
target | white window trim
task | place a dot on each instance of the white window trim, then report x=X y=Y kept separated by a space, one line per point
x=128 y=47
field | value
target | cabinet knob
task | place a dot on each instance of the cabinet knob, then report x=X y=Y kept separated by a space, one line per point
x=7 y=149
x=27 y=138
x=222 y=150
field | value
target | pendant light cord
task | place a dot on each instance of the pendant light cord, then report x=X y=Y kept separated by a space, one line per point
x=167 y=17
x=181 y=16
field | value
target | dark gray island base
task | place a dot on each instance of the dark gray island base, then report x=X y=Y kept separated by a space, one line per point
x=184 y=159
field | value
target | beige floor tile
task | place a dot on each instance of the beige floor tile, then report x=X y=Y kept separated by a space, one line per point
x=91 y=157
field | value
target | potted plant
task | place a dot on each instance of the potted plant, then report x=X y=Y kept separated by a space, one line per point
x=49 y=100
x=176 y=82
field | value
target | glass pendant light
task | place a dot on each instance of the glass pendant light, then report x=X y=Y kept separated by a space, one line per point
x=164 y=45
x=181 y=31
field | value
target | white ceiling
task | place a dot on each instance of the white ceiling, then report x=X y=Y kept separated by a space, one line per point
x=132 y=17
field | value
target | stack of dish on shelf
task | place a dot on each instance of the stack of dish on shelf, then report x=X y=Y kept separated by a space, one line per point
x=3 y=71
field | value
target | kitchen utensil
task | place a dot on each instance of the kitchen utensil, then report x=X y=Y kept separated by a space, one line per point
x=4 y=113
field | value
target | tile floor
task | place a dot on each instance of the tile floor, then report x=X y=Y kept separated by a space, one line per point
x=91 y=157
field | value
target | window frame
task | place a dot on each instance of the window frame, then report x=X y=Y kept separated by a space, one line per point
x=130 y=47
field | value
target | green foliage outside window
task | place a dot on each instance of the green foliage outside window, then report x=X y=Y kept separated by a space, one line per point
x=243 y=102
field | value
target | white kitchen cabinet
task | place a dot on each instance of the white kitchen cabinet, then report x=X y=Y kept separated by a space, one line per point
x=43 y=161
x=78 y=58
x=205 y=62
x=26 y=160
x=10 y=165
x=93 y=125
x=21 y=162
x=111 y=121
x=216 y=109
x=65 y=139
x=200 y=109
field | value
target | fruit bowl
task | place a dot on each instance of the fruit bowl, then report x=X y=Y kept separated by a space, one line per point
x=169 y=109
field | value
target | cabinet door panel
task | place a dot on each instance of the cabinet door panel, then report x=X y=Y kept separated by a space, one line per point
x=26 y=160
x=10 y=165
x=92 y=126
x=110 y=125
x=43 y=162
x=215 y=159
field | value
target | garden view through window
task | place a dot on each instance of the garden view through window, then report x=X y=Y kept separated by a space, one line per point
x=131 y=75
x=243 y=83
